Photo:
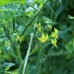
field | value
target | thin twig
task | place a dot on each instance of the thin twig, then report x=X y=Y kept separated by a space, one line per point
x=28 y=53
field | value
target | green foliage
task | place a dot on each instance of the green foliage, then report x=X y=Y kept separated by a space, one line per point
x=3 y=2
x=52 y=48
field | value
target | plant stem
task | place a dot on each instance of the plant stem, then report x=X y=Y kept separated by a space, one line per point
x=27 y=55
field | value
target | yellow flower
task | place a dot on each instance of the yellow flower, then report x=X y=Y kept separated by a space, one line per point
x=20 y=39
x=54 y=41
x=43 y=38
x=55 y=34
x=56 y=31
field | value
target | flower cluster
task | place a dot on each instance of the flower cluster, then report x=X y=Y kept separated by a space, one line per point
x=54 y=37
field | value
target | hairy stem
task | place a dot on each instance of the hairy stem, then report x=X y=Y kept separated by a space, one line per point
x=28 y=53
